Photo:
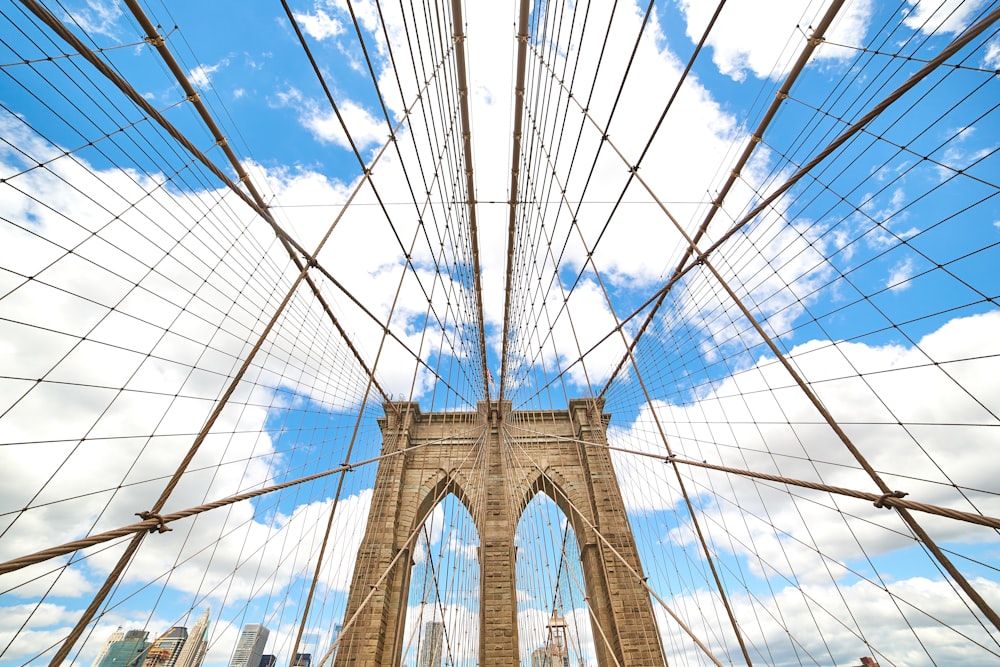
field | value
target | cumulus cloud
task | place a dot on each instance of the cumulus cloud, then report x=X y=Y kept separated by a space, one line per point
x=319 y=25
x=201 y=75
x=366 y=130
x=140 y=336
x=758 y=419
x=932 y=16
x=748 y=38
x=927 y=625
x=992 y=56
x=899 y=277
x=98 y=17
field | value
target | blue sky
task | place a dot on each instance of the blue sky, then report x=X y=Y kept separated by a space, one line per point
x=876 y=274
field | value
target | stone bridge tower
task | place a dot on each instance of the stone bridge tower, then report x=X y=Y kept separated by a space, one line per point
x=495 y=461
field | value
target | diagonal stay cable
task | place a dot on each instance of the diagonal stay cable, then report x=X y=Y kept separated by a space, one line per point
x=260 y=206
x=155 y=522
x=894 y=499
x=641 y=580
x=354 y=148
x=702 y=260
x=813 y=42
x=290 y=244
x=956 y=45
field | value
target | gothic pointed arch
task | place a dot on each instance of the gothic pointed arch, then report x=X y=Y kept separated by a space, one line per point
x=494 y=471
x=436 y=486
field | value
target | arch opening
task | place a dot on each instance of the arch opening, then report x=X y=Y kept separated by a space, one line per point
x=554 y=622
x=441 y=620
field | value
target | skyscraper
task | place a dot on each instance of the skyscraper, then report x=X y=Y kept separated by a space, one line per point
x=193 y=652
x=167 y=648
x=322 y=647
x=127 y=651
x=117 y=635
x=250 y=646
x=433 y=642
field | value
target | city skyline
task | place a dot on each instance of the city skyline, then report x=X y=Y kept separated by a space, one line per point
x=179 y=646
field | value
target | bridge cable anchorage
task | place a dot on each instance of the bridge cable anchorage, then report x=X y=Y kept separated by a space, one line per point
x=160 y=526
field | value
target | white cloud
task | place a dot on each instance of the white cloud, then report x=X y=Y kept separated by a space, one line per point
x=992 y=56
x=931 y=16
x=49 y=625
x=758 y=419
x=268 y=553
x=927 y=625
x=201 y=75
x=366 y=130
x=99 y=17
x=765 y=42
x=320 y=25
x=365 y=11
x=899 y=276
x=564 y=331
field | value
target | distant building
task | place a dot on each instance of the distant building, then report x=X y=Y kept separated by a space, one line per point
x=432 y=644
x=540 y=658
x=323 y=648
x=555 y=653
x=302 y=660
x=165 y=650
x=268 y=660
x=250 y=646
x=116 y=636
x=192 y=654
x=129 y=651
